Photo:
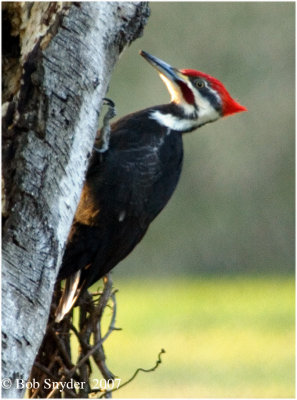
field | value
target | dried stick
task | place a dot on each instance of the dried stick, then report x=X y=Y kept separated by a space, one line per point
x=158 y=362
x=91 y=324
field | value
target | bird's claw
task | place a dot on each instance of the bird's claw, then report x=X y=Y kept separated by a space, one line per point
x=105 y=131
x=108 y=102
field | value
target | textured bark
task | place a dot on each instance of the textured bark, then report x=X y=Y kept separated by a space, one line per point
x=57 y=63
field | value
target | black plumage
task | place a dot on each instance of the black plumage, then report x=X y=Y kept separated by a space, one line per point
x=126 y=187
x=129 y=183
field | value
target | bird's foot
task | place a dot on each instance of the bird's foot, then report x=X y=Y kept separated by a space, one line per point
x=104 y=134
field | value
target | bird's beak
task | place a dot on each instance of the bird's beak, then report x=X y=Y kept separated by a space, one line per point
x=174 y=79
x=161 y=66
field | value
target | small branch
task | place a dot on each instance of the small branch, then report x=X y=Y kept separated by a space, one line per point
x=158 y=362
x=91 y=313
x=110 y=328
x=99 y=356
x=54 y=379
x=81 y=340
x=90 y=316
x=62 y=349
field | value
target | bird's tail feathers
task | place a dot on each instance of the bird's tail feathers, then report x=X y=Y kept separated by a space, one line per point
x=69 y=297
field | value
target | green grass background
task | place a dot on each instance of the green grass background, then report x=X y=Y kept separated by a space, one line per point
x=229 y=337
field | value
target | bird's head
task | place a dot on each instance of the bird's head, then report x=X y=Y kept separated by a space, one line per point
x=199 y=98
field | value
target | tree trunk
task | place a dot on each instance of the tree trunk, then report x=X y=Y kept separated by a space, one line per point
x=57 y=63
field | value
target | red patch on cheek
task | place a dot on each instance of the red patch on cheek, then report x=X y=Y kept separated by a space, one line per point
x=187 y=93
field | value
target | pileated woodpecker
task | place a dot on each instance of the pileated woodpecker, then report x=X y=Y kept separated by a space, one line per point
x=130 y=183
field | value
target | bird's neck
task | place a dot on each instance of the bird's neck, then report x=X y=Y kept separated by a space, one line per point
x=182 y=118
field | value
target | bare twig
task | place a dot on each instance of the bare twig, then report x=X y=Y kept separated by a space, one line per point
x=98 y=343
x=62 y=348
x=90 y=316
x=60 y=368
x=158 y=362
x=81 y=340
x=99 y=356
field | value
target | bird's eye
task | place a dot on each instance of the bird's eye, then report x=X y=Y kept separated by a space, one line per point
x=199 y=83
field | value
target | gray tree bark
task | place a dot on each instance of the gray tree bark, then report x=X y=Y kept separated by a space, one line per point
x=58 y=59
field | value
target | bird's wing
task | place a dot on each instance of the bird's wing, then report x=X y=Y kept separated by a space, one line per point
x=135 y=180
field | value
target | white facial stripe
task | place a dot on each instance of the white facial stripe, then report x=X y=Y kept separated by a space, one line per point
x=212 y=91
x=172 y=122
x=189 y=109
x=206 y=114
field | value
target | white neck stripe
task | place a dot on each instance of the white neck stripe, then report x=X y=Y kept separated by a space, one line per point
x=172 y=122
x=182 y=125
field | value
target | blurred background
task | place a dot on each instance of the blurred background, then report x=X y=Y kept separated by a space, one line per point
x=233 y=210
x=213 y=280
